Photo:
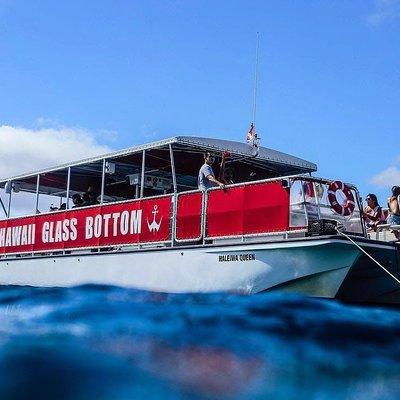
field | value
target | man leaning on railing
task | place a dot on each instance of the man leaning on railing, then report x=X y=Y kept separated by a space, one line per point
x=207 y=178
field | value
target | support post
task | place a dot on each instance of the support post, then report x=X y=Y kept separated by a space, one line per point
x=37 y=193
x=9 y=201
x=142 y=176
x=171 y=156
x=174 y=198
x=68 y=185
x=103 y=180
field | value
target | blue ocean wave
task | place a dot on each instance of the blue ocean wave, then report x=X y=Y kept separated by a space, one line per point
x=103 y=342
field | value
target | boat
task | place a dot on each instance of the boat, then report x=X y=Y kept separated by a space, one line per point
x=136 y=218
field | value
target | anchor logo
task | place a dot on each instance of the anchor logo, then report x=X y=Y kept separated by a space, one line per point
x=154 y=226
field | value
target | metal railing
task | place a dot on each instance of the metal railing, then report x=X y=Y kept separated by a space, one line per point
x=173 y=241
x=384 y=228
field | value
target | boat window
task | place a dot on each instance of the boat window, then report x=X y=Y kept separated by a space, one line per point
x=298 y=216
x=123 y=178
x=188 y=162
x=158 y=172
x=85 y=184
x=309 y=200
x=187 y=165
x=351 y=223
x=52 y=191
x=23 y=198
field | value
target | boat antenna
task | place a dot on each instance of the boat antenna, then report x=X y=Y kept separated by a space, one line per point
x=252 y=137
x=256 y=80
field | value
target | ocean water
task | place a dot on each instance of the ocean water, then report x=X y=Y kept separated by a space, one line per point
x=103 y=342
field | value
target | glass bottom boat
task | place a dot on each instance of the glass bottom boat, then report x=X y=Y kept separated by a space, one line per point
x=135 y=218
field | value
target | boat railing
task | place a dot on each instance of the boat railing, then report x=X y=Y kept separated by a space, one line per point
x=189 y=210
x=266 y=209
x=309 y=202
x=382 y=232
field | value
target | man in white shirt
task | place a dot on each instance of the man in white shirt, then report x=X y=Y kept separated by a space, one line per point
x=206 y=179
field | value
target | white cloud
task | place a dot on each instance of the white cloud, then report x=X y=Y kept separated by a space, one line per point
x=387 y=178
x=385 y=10
x=24 y=150
x=27 y=150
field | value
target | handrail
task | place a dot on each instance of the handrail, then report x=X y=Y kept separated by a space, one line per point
x=384 y=227
x=202 y=216
x=175 y=196
x=93 y=206
x=275 y=179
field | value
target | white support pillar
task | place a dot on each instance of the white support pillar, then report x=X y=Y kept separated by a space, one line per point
x=68 y=185
x=37 y=194
x=103 y=180
x=171 y=156
x=142 y=176
x=174 y=198
x=9 y=201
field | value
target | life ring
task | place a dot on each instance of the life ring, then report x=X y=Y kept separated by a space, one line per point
x=347 y=207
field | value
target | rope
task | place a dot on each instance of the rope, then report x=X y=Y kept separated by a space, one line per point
x=372 y=258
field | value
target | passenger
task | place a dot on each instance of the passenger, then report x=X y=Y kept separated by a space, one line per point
x=86 y=200
x=228 y=178
x=93 y=198
x=309 y=192
x=206 y=179
x=63 y=206
x=373 y=213
x=394 y=209
x=319 y=189
x=53 y=207
x=313 y=190
x=77 y=200
x=90 y=197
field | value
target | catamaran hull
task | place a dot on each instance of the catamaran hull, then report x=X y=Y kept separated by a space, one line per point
x=315 y=267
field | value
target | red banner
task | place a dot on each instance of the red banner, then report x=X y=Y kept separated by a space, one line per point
x=134 y=222
x=241 y=210
x=249 y=209
x=188 y=216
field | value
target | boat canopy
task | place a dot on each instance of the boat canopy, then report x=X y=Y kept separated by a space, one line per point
x=161 y=167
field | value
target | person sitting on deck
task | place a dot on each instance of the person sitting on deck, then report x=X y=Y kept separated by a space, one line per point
x=206 y=179
x=394 y=209
x=228 y=178
x=53 y=207
x=373 y=213
x=77 y=200
x=90 y=197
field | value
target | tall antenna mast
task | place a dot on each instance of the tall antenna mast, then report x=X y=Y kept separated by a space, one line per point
x=256 y=80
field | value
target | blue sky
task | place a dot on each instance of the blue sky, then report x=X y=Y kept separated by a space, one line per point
x=128 y=72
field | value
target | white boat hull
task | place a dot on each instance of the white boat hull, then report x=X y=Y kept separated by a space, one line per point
x=312 y=267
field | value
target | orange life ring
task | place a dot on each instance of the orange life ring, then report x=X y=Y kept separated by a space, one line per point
x=347 y=207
